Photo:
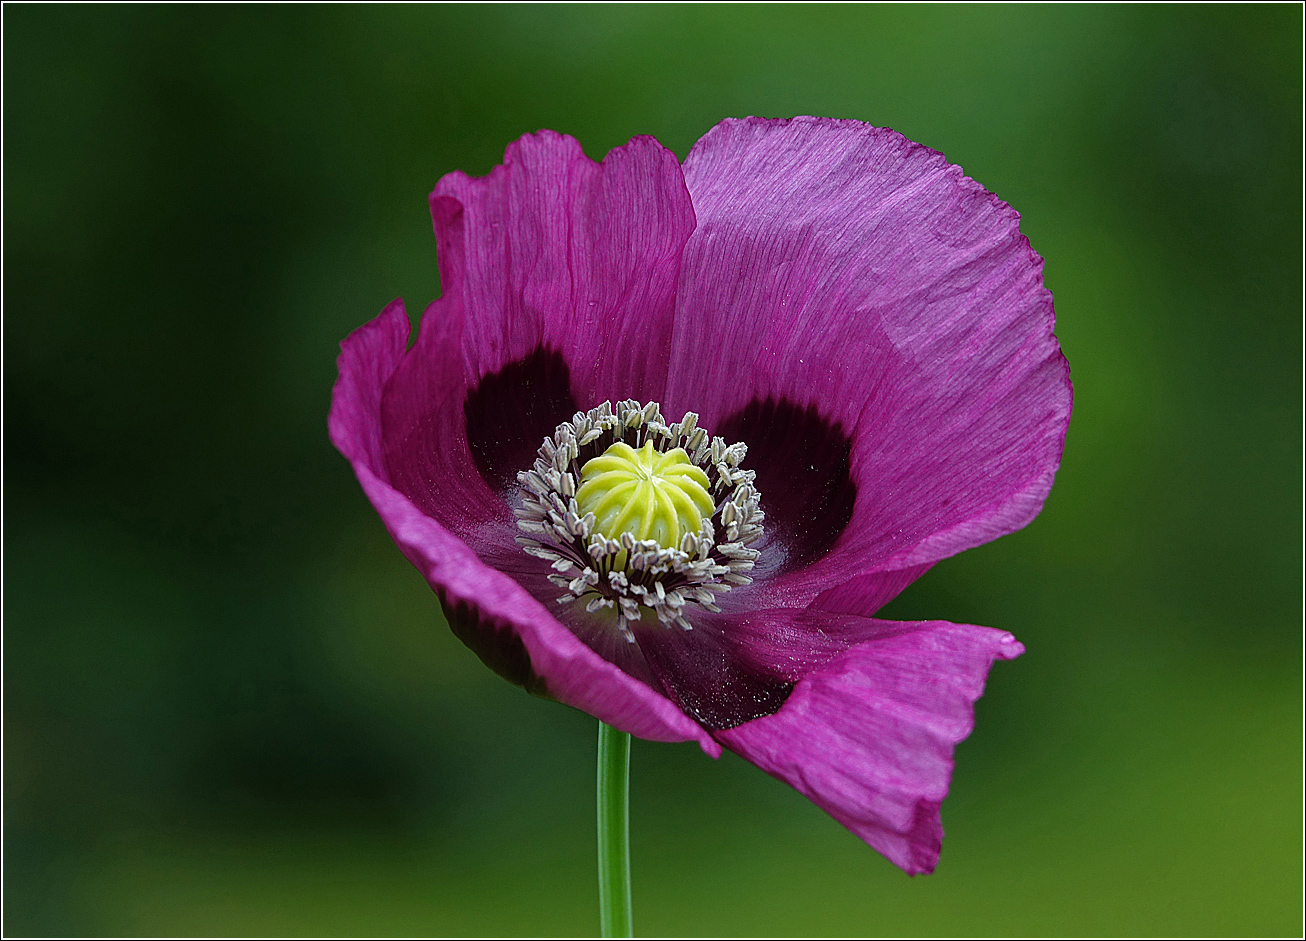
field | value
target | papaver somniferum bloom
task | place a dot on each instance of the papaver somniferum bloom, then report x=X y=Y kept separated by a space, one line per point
x=675 y=432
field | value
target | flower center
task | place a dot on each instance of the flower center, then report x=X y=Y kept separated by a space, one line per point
x=639 y=516
x=657 y=495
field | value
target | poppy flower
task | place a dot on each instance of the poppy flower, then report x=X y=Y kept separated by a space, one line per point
x=674 y=433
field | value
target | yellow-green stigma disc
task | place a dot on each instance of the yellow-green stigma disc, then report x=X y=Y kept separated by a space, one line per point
x=647 y=493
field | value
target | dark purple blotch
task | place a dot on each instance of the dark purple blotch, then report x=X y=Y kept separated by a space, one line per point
x=512 y=411
x=803 y=467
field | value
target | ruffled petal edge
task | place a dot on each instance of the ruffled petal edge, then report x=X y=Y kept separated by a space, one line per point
x=948 y=252
x=869 y=736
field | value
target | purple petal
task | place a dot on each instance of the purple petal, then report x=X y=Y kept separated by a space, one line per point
x=705 y=673
x=424 y=447
x=553 y=251
x=454 y=451
x=869 y=736
x=863 y=594
x=479 y=597
x=867 y=593
x=368 y=357
x=741 y=665
x=567 y=669
x=790 y=644
x=845 y=269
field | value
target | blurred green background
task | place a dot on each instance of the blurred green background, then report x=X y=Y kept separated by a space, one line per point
x=231 y=707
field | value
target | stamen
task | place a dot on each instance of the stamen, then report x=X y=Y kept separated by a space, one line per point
x=636 y=515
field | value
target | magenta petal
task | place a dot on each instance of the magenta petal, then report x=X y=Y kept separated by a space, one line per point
x=866 y=594
x=368 y=358
x=742 y=663
x=569 y=670
x=705 y=672
x=863 y=594
x=424 y=449
x=869 y=736
x=845 y=268
x=554 y=251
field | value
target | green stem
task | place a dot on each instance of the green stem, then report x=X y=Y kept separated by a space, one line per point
x=615 y=917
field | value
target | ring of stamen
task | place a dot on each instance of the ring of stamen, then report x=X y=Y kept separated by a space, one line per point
x=606 y=564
